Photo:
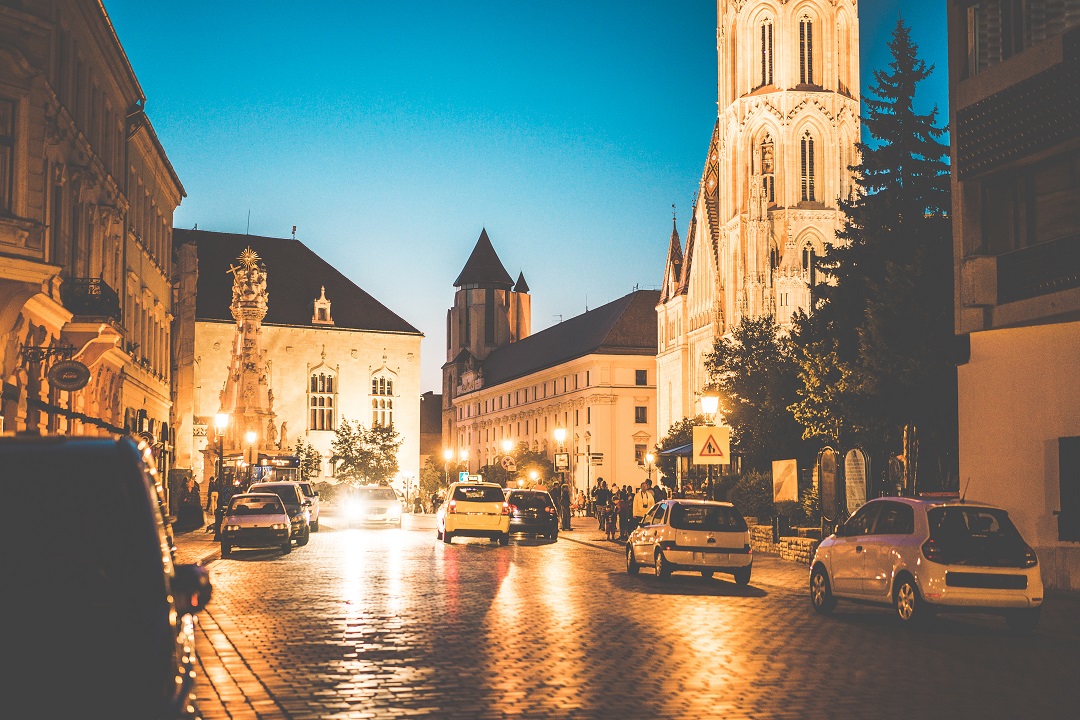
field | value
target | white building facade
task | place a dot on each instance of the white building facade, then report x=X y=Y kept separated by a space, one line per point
x=768 y=200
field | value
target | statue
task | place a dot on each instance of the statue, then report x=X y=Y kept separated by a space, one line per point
x=271 y=433
x=282 y=444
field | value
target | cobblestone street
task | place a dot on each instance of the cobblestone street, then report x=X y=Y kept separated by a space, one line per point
x=391 y=623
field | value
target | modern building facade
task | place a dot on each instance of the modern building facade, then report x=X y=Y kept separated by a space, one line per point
x=1014 y=99
x=592 y=376
x=87 y=196
x=776 y=167
x=289 y=352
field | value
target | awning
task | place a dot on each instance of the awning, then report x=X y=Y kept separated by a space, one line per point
x=681 y=451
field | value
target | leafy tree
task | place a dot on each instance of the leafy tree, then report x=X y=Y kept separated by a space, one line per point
x=363 y=455
x=753 y=495
x=309 y=457
x=758 y=378
x=525 y=461
x=431 y=477
x=681 y=433
x=875 y=351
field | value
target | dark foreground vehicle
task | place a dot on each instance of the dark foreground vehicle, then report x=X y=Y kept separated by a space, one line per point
x=97 y=620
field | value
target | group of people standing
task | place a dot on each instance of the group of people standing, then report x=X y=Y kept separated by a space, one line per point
x=620 y=510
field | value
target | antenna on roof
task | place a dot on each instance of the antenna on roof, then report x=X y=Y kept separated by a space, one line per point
x=967 y=484
x=558 y=316
x=196 y=226
x=586 y=302
x=248 y=231
x=293 y=232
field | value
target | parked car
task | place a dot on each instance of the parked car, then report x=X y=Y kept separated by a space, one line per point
x=255 y=520
x=695 y=535
x=373 y=505
x=474 y=510
x=313 y=496
x=95 y=607
x=295 y=503
x=924 y=556
x=532 y=512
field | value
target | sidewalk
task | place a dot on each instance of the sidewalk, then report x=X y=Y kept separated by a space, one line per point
x=586 y=530
x=196 y=546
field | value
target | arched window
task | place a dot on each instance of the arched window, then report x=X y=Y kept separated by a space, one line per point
x=806 y=167
x=382 y=403
x=765 y=168
x=807 y=256
x=322 y=391
x=806 y=50
x=765 y=73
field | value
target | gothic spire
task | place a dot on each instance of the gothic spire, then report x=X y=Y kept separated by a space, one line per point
x=484 y=267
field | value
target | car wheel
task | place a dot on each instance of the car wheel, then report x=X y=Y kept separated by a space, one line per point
x=504 y=539
x=447 y=536
x=907 y=601
x=631 y=564
x=226 y=549
x=286 y=547
x=706 y=574
x=398 y=525
x=303 y=539
x=315 y=526
x=742 y=576
x=821 y=596
x=554 y=536
x=661 y=566
x=438 y=534
x=1023 y=621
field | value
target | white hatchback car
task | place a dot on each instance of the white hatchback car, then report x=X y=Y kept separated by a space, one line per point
x=695 y=535
x=930 y=555
x=474 y=510
x=373 y=505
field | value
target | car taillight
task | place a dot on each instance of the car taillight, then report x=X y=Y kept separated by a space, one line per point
x=1030 y=558
x=550 y=509
x=514 y=509
x=931 y=551
x=506 y=508
x=452 y=507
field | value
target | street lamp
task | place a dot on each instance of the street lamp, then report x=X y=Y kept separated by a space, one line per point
x=448 y=455
x=649 y=457
x=710 y=402
x=532 y=476
x=463 y=457
x=250 y=437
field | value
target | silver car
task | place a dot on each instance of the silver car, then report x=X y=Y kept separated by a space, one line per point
x=923 y=556
x=312 y=496
x=695 y=535
x=373 y=505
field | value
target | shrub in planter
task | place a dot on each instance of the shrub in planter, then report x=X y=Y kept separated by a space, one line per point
x=792 y=511
x=753 y=495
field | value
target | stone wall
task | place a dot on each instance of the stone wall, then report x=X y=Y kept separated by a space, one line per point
x=797 y=549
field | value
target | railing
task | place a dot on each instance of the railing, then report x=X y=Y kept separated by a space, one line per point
x=90 y=297
x=1040 y=269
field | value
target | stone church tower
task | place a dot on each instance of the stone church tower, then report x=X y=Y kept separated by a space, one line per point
x=490 y=311
x=767 y=203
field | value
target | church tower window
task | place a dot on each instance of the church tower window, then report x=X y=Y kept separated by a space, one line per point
x=766 y=50
x=807 y=167
x=806 y=50
x=322 y=395
x=765 y=168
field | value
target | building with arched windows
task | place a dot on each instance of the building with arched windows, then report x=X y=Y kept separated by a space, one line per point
x=776 y=167
x=326 y=351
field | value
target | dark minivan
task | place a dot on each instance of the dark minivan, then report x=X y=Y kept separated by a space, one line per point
x=94 y=608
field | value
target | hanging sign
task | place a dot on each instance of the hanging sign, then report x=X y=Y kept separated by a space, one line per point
x=69 y=375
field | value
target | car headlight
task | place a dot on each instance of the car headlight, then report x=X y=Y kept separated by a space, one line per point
x=232 y=528
x=278 y=526
x=394 y=510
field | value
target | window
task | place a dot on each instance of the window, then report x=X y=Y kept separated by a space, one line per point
x=895 y=519
x=489 y=316
x=862 y=521
x=1033 y=205
x=639 y=454
x=806 y=50
x=765 y=168
x=7 y=153
x=641 y=377
x=807 y=167
x=641 y=414
x=382 y=400
x=322 y=392
x=765 y=76
x=588 y=414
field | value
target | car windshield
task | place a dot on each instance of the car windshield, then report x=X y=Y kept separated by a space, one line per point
x=976 y=536
x=715 y=518
x=308 y=490
x=246 y=505
x=531 y=500
x=378 y=493
x=288 y=493
x=478 y=493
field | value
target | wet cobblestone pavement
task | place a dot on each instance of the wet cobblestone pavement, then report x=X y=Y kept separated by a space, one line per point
x=391 y=623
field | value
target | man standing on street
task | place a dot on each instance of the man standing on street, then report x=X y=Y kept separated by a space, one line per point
x=643 y=500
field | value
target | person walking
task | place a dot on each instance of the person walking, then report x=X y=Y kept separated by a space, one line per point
x=602 y=499
x=643 y=500
x=626 y=512
x=564 y=505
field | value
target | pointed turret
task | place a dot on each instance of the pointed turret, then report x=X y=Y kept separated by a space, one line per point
x=673 y=269
x=483 y=267
x=521 y=286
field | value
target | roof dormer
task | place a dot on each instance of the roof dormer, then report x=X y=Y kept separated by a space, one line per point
x=322 y=310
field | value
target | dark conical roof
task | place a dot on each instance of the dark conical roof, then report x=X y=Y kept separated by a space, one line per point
x=521 y=285
x=484 y=267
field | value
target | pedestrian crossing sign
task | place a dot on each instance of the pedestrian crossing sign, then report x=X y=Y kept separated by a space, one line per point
x=712 y=445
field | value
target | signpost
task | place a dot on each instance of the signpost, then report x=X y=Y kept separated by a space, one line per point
x=712 y=445
x=562 y=461
x=69 y=375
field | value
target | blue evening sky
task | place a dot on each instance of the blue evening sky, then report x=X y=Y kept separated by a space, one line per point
x=391 y=133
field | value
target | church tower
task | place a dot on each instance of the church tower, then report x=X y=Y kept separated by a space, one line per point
x=768 y=199
x=490 y=311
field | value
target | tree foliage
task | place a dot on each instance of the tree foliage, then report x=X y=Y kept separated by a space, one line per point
x=310 y=459
x=365 y=455
x=526 y=462
x=757 y=374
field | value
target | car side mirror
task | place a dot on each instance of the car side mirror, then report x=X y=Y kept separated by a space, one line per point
x=191 y=588
x=838 y=531
x=307 y=503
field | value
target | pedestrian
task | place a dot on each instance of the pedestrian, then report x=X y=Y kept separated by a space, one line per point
x=564 y=503
x=657 y=492
x=643 y=500
x=626 y=512
x=602 y=498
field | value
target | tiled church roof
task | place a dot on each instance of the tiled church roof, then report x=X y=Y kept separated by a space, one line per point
x=626 y=326
x=294 y=277
x=484 y=267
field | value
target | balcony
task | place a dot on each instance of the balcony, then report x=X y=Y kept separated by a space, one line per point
x=1040 y=269
x=90 y=298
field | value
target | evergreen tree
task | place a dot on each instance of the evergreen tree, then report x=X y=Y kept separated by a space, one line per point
x=876 y=351
x=758 y=378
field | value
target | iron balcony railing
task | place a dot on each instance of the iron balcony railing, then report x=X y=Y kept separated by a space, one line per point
x=90 y=297
x=1039 y=269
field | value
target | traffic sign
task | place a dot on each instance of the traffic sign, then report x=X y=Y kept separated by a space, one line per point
x=712 y=445
x=596 y=459
x=562 y=461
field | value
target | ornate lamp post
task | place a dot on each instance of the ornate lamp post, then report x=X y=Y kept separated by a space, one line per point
x=710 y=401
x=250 y=437
x=221 y=424
x=448 y=455
x=463 y=457
x=649 y=458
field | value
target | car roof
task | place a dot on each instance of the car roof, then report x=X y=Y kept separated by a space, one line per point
x=259 y=495
x=934 y=502
x=692 y=501
x=476 y=484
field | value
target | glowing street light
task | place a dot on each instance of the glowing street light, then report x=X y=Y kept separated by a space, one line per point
x=560 y=436
x=649 y=457
x=710 y=401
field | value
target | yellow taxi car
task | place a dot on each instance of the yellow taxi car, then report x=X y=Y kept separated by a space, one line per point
x=474 y=510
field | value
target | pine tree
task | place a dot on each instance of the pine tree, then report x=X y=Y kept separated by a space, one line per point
x=885 y=319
